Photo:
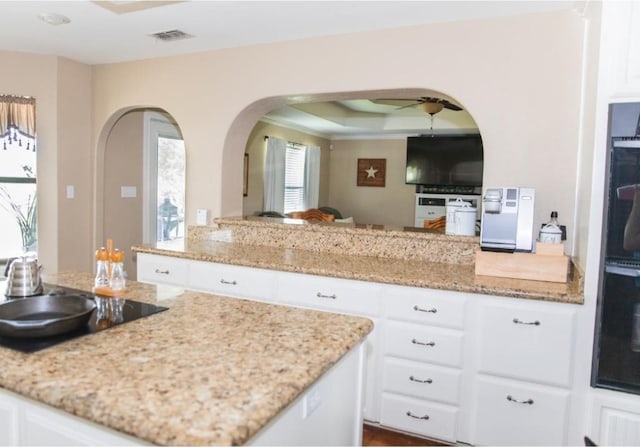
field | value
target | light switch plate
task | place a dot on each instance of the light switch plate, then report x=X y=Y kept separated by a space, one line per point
x=202 y=217
x=127 y=192
x=71 y=192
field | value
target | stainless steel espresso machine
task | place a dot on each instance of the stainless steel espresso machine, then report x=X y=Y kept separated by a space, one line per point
x=507 y=219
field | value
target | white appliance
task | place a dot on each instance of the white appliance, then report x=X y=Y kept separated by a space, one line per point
x=460 y=218
x=430 y=206
x=507 y=219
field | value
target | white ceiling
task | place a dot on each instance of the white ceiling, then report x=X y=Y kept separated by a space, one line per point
x=101 y=32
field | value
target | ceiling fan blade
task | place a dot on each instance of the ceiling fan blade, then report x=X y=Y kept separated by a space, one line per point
x=410 y=105
x=448 y=105
x=393 y=102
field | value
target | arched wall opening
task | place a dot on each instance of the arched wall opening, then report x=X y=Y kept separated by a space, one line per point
x=125 y=189
x=246 y=133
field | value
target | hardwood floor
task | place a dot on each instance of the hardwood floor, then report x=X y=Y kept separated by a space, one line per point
x=376 y=436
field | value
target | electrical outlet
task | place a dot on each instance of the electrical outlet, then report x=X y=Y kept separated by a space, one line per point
x=310 y=403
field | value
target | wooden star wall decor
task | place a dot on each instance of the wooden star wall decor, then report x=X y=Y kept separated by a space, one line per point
x=372 y=171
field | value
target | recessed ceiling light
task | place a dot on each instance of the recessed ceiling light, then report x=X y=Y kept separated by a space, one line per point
x=53 y=19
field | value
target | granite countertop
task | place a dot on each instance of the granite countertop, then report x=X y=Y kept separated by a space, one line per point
x=209 y=370
x=414 y=273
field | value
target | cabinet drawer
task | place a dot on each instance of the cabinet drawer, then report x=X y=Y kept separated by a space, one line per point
x=421 y=380
x=232 y=280
x=162 y=269
x=514 y=413
x=338 y=295
x=420 y=417
x=527 y=342
x=433 y=307
x=425 y=344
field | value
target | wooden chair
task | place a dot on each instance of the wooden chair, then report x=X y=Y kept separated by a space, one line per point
x=312 y=215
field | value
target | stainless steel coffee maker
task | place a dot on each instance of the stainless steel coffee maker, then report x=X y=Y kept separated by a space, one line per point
x=507 y=219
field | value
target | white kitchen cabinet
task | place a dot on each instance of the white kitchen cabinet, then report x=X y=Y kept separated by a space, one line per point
x=432 y=307
x=615 y=419
x=332 y=294
x=33 y=423
x=9 y=425
x=232 y=280
x=423 y=360
x=526 y=340
x=162 y=269
x=453 y=357
x=508 y=412
x=419 y=416
x=523 y=383
x=622 y=30
x=425 y=381
x=424 y=343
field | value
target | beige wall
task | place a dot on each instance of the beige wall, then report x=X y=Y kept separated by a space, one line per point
x=392 y=204
x=122 y=218
x=62 y=89
x=521 y=85
x=256 y=148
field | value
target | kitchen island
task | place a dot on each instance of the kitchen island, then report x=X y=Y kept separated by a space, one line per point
x=209 y=370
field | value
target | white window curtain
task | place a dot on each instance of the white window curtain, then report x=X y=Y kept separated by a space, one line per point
x=312 y=177
x=274 y=175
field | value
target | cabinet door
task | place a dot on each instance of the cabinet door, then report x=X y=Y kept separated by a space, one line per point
x=425 y=306
x=8 y=420
x=517 y=413
x=615 y=419
x=418 y=416
x=528 y=341
x=423 y=343
x=333 y=294
x=232 y=280
x=157 y=269
x=421 y=380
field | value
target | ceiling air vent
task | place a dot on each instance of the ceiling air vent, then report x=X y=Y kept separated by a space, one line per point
x=168 y=36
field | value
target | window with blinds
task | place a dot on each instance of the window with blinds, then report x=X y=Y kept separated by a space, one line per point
x=294 y=178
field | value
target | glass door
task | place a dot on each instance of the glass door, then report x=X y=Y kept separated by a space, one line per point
x=165 y=165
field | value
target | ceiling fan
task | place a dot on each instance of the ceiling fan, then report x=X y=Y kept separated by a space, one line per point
x=430 y=105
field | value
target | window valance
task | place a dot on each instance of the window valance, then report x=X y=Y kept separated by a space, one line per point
x=19 y=113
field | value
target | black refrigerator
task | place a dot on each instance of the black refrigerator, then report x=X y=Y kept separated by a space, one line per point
x=616 y=360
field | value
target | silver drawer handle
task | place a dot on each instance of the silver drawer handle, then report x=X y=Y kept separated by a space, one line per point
x=526 y=402
x=162 y=272
x=231 y=283
x=413 y=379
x=416 y=342
x=533 y=323
x=433 y=310
x=425 y=417
x=331 y=297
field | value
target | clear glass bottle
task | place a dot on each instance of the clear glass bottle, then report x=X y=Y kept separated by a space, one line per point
x=117 y=280
x=554 y=219
x=102 y=268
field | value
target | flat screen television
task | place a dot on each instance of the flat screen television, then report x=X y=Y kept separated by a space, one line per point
x=444 y=160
